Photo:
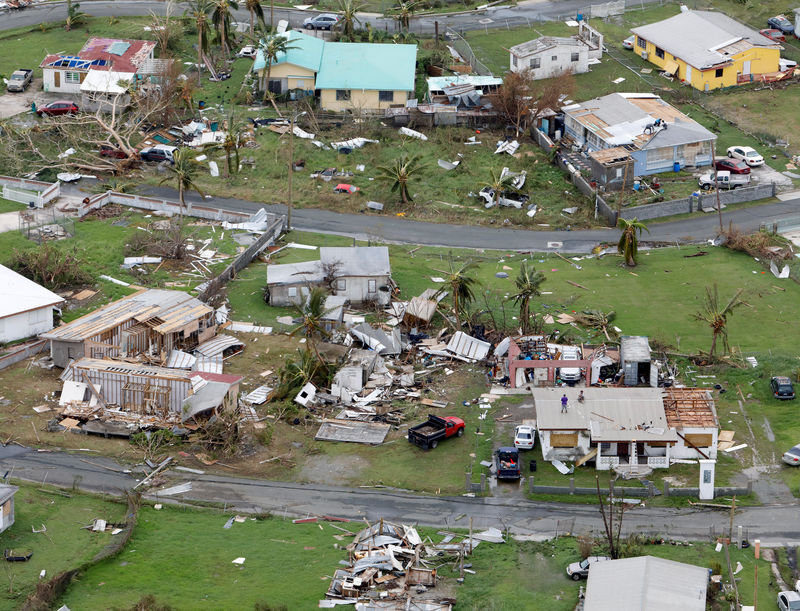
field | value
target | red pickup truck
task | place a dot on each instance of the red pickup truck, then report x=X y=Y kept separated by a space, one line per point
x=428 y=434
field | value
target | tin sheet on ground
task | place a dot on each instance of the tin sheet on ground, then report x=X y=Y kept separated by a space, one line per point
x=349 y=430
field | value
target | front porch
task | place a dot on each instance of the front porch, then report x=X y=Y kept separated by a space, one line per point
x=632 y=456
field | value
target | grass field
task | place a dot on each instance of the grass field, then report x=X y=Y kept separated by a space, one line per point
x=65 y=545
x=9 y=206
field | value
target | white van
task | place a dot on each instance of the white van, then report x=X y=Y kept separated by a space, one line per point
x=570 y=375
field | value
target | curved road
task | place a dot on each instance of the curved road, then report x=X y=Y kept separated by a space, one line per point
x=775 y=525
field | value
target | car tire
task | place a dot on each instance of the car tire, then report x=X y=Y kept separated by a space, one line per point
x=706 y=187
x=309 y=26
x=576 y=577
x=434 y=444
x=730 y=155
x=460 y=432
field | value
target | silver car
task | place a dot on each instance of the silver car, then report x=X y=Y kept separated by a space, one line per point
x=792 y=456
x=579 y=570
x=789 y=601
x=325 y=21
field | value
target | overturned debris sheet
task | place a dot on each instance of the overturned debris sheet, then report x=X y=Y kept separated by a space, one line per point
x=412 y=133
x=371 y=433
x=221 y=346
x=353 y=143
x=377 y=339
x=257 y=223
x=258 y=396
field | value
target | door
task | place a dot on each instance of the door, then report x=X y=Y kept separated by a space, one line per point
x=623 y=449
x=56 y=78
x=746 y=67
x=688 y=78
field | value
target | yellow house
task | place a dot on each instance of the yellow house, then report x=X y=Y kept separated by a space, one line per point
x=344 y=76
x=707 y=50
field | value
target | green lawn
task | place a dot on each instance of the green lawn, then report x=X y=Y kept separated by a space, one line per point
x=9 y=206
x=64 y=546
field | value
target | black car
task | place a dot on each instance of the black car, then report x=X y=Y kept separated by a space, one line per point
x=156 y=154
x=782 y=388
x=780 y=22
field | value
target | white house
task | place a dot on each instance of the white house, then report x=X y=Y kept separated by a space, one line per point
x=26 y=309
x=691 y=414
x=549 y=56
x=7 y=493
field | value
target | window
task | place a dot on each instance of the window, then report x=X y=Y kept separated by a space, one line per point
x=514 y=60
x=576 y=56
x=341 y=284
x=342 y=95
x=554 y=58
x=372 y=286
x=72 y=77
x=660 y=52
x=291 y=291
x=536 y=62
x=386 y=96
x=718 y=73
x=641 y=42
x=660 y=158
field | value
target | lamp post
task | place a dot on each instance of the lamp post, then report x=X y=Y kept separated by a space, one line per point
x=291 y=168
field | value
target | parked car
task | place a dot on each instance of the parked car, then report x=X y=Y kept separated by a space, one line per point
x=428 y=434
x=725 y=180
x=524 y=437
x=110 y=151
x=20 y=80
x=247 y=51
x=789 y=601
x=792 y=456
x=780 y=22
x=580 y=570
x=785 y=64
x=60 y=107
x=570 y=375
x=747 y=154
x=773 y=34
x=325 y=21
x=158 y=153
x=629 y=42
x=782 y=388
x=343 y=187
x=734 y=166
x=506 y=463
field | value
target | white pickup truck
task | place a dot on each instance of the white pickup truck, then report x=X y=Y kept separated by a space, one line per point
x=20 y=80
x=725 y=180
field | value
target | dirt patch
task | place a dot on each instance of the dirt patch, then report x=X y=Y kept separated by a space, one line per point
x=326 y=469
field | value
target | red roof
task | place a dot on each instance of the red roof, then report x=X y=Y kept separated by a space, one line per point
x=225 y=378
x=117 y=54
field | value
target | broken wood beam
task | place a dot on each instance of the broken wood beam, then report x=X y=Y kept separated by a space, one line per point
x=580 y=286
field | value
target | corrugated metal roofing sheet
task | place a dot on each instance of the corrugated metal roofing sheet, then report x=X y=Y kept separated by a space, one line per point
x=217 y=345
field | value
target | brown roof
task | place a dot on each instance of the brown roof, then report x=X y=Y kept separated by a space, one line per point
x=689 y=408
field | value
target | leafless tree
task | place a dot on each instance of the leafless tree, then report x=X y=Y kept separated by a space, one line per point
x=522 y=100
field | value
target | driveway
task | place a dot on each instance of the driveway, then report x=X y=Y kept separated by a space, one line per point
x=765 y=174
x=12 y=104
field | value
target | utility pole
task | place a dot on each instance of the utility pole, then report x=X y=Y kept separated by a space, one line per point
x=291 y=169
x=716 y=184
x=755 y=574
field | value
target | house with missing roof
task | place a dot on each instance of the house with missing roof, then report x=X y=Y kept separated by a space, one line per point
x=342 y=76
x=549 y=56
x=361 y=274
x=626 y=429
x=26 y=309
x=640 y=127
x=707 y=49
x=102 y=72
x=150 y=322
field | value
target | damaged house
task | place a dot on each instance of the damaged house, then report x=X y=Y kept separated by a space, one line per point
x=549 y=56
x=361 y=274
x=654 y=134
x=149 y=323
x=463 y=90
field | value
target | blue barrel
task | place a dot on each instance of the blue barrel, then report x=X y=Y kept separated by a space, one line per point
x=676 y=167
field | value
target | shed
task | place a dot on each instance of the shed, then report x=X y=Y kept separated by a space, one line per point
x=612 y=167
x=634 y=359
x=26 y=309
x=646 y=582
x=7 y=493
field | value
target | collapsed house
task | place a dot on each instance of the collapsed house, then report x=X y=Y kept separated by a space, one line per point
x=148 y=324
x=630 y=430
x=531 y=360
x=463 y=90
x=361 y=274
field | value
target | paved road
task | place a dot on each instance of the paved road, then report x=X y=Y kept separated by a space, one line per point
x=524 y=13
x=774 y=524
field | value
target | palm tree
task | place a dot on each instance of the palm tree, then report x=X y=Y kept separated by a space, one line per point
x=628 y=245
x=404 y=11
x=199 y=11
x=597 y=319
x=230 y=144
x=461 y=285
x=311 y=312
x=74 y=15
x=404 y=38
x=528 y=283
x=255 y=10
x=183 y=171
x=221 y=18
x=716 y=317
x=271 y=45
x=349 y=18
x=499 y=183
x=403 y=168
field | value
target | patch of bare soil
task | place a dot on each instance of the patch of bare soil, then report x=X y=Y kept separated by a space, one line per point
x=326 y=469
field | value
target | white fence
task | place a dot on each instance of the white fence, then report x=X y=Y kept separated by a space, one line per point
x=26 y=191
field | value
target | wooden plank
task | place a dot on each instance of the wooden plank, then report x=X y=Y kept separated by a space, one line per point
x=563 y=440
x=589 y=456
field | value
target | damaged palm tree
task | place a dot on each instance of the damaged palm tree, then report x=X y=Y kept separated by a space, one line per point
x=461 y=285
x=528 y=283
x=716 y=316
x=312 y=312
x=598 y=320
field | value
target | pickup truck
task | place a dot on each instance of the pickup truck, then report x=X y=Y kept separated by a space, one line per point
x=20 y=80
x=506 y=463
x=428 y=434
x=725 y=180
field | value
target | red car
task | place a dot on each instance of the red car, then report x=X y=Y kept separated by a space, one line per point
x=60 y=107
x=110 y=151
x=734 y=166
x=345 y=188
x=773 y=34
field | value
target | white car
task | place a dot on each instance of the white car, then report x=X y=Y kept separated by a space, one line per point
x=524 y=437
x=747 y=154
x=629 y=42
x=788 y=601
x=248 y=51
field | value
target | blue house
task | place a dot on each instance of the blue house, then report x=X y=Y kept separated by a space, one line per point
x=655 y=135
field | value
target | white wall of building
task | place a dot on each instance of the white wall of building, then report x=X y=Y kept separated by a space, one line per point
x=65 y=86
x=26 y=324
x=553 y=61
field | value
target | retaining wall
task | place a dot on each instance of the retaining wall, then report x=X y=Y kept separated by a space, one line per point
x=21 y=352
x=620 y=491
